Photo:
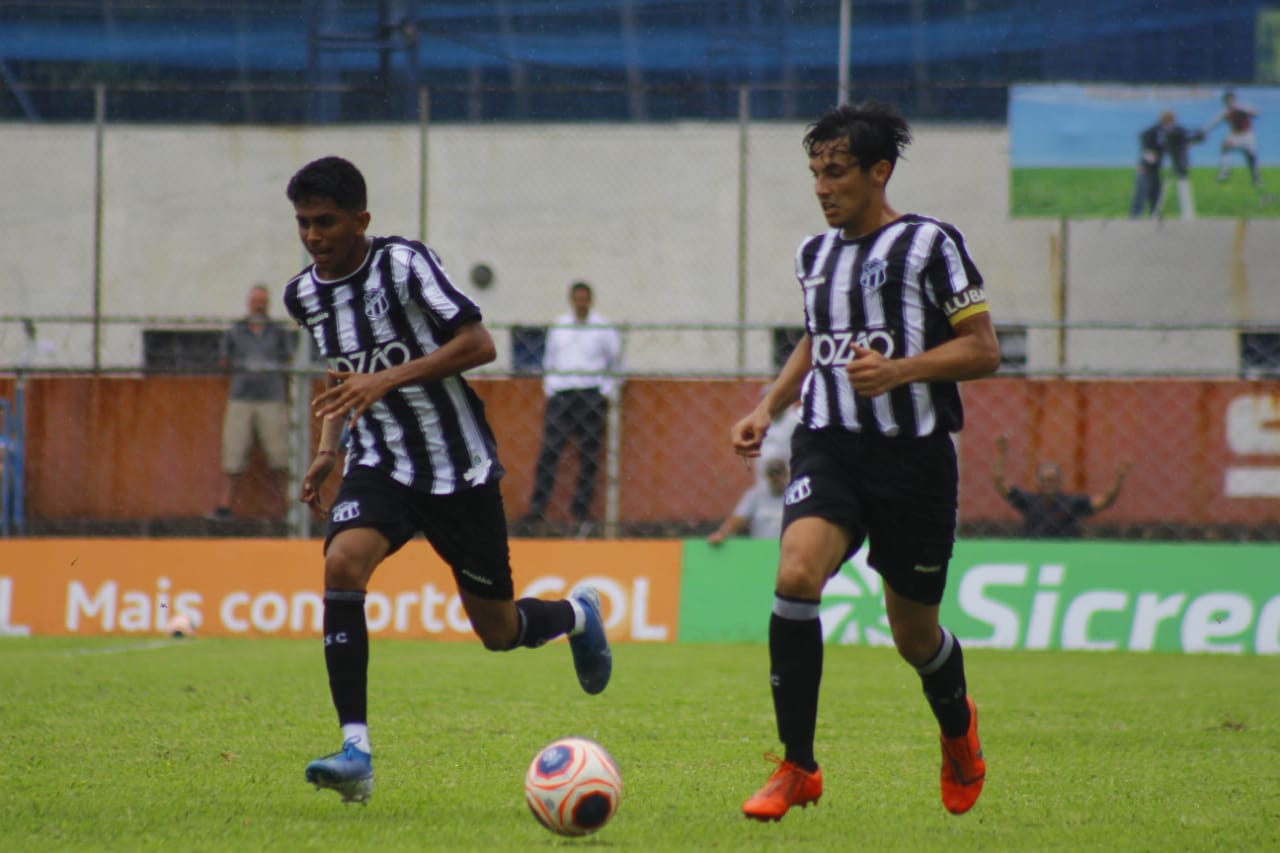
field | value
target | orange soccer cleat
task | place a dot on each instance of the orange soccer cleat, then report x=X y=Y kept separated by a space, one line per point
x=790 y=785
x=963 y=769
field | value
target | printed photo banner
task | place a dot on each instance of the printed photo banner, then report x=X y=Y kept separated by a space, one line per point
x=1074 y=150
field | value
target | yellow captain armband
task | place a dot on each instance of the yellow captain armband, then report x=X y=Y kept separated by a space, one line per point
x=964 y=305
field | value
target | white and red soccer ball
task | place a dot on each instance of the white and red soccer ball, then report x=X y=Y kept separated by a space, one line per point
x=180 y=625
x=573 y=786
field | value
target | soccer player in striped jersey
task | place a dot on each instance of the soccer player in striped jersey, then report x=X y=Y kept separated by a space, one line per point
x=895 y=316
x=420 y=456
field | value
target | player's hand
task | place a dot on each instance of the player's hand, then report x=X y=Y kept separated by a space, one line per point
x=348 y=392
x=317 y=472
x=747 y=434
x=870 y=373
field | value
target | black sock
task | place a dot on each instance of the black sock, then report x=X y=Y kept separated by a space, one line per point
x=795 y=672
x=542 y=620
x=944 y=686
x=346 y=654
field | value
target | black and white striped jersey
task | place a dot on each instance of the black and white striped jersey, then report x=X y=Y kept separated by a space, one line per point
x=897 y=290
x=398 y=306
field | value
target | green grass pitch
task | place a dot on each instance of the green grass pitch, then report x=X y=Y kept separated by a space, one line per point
x=1106 y=193
x=199 y=744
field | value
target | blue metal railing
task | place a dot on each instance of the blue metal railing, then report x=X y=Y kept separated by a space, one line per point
x=13 y=464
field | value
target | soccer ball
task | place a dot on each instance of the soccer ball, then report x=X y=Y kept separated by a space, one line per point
x=573 y=786
x=180 y=626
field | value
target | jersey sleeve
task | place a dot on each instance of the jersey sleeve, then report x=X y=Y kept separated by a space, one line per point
x=955 y=285
x=432 y=289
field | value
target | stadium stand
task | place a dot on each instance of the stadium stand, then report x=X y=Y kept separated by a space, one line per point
x=243 y=61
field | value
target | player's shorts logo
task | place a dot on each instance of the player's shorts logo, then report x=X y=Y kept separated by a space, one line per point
x=480 y=579
x=797 y=491
x=346 y=511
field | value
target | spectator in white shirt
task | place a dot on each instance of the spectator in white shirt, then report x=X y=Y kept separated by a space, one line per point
x=759 y=510
x=583 y=355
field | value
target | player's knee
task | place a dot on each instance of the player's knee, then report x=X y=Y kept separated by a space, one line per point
x=344 y=569
x=799 y=577
x=916 y=644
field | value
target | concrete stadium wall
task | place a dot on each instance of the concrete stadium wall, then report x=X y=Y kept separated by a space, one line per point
x=650 y=213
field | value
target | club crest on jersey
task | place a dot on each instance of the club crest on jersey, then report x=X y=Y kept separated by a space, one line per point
x=376 y=304
x=874 y=274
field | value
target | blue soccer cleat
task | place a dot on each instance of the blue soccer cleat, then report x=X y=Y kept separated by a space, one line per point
x=349 y=772
x=591 y=655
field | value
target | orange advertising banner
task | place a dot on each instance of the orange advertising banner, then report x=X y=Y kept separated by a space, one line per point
x=268 y=587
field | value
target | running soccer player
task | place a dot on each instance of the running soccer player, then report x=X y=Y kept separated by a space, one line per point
x=895 y=316
x=1239 y=137
x=421 y=457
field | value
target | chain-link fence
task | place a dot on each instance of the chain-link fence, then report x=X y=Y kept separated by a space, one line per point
x=137 y=452
x=1151 y=343
x=599 y=60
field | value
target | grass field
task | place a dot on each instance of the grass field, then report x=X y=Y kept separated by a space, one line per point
x=1106 y=193
x=115 y=743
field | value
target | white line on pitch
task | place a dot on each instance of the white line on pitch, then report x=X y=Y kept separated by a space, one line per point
x=136 y=647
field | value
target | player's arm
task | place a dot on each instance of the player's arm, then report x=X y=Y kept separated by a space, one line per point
x=470 y=346
x=322 y=464
x=974 y=352
x=613 y=364
x=1107 y=498
x=734 y=525
x=1217 y=120
x=747 y=434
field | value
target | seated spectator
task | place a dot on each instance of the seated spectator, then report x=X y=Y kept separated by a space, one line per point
x=759 y=510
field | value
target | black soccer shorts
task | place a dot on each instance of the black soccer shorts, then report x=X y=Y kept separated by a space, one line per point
x=898 y=493
x=468 y=529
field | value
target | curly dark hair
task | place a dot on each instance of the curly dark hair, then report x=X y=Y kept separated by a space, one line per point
x=332 y=178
